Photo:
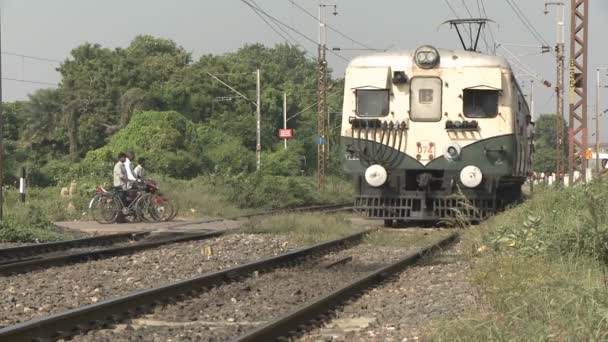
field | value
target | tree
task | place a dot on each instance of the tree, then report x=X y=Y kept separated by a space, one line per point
x=544 y=144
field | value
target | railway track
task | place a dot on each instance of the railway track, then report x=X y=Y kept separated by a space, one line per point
x=28 y=258
x=298 y=321
x=90 y=317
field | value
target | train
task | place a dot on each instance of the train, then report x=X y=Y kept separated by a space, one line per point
x=433 y=134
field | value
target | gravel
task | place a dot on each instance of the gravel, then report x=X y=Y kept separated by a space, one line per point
x=403 y=309
x=230 y=310
x=40 y=293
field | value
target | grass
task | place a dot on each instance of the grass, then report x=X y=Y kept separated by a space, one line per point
x=406 y=238
x=305 y=229
x=541 y=271
x=200 y=197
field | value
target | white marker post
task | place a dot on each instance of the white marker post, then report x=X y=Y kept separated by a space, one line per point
x=22 y=185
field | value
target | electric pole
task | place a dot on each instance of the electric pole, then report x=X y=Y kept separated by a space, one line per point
x=597 y=120
x=559 y=87
x=1 y=130
x=532 y=99
x=257 y=104
x=322 y=136
x=285 y=115
x=579 y=31
x=258 y=145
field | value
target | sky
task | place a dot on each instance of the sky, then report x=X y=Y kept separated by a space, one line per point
x=50 y=29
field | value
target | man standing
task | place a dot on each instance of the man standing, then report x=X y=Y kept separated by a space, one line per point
x=119 y=173
x=129 y=168
x=139 y=171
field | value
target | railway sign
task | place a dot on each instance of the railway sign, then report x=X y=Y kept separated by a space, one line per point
x=285 y=133
x=588 y=154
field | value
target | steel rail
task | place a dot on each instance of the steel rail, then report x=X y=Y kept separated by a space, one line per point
x=59 y=260
x=324 y=208
x=23 y=259
x=300 y=318
x=89 y=317
x=26 y=251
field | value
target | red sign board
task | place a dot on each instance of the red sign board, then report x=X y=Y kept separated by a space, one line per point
x=285 y=133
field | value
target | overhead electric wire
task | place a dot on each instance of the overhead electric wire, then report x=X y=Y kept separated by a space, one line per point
x=259 y=9
x=522 y=17
x=330 y=27
x=32 y=57
x=466 y=8
x=485 y=38
x=29 y=81
x=485 y=15
x=456 y=15
x=272 y=27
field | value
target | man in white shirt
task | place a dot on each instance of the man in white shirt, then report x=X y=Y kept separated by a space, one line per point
x=119 y=173
x=129 y=168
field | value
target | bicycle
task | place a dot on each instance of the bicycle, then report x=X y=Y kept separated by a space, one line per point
x=108 y=206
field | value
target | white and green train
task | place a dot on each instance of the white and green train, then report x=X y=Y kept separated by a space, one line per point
x=422 y=128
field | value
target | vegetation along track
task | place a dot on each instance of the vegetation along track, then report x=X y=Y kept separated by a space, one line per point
x=90 y=317
x=33 y=257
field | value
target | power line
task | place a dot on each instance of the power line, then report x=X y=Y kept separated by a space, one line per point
x=485 y=15
x=258 y=8
x=29 y=81
x=330 y=27
x=32 y=57
x=276 y=29
x=522 y=17
x=485 y=38
x=466 y=8
x=456 y=15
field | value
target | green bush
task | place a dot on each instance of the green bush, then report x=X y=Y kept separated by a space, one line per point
x=283 y=162
x=267 y=191
x=173 y=146
x=27 y=224
x=557 y=222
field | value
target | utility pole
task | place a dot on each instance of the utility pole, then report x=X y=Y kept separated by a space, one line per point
x=597 y=119
x=1 y=131
x=322 y=136
x=579 y=31
x=559 y=87
x=258 y=146
x=532 y=99
x=285 y=115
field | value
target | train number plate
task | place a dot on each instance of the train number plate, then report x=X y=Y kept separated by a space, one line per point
x=426 y=150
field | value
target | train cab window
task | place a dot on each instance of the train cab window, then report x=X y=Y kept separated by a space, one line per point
x=480 y=103
x=372 y=102
x=425 y=99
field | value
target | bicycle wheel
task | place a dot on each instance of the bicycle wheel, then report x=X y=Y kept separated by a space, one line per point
x=160 y=208
x=175 y=209
x=145 y=208
x=104 y=208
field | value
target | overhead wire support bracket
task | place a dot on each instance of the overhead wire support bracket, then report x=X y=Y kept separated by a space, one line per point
x=468 y=24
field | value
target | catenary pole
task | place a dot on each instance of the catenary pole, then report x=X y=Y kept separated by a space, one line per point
x=559 y=86
x=1 y=129
x=258 y=146
x=285 y=115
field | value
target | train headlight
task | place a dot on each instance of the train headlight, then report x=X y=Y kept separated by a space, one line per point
x=451 y=151
x=376 y=175
x=471 y=176
x=426 y=57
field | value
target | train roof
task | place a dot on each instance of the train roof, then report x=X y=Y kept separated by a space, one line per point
x=448 y=59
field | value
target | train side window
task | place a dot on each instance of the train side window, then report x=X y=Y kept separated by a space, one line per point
x=372 y=102
x=425 y=99
x=480 y=103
